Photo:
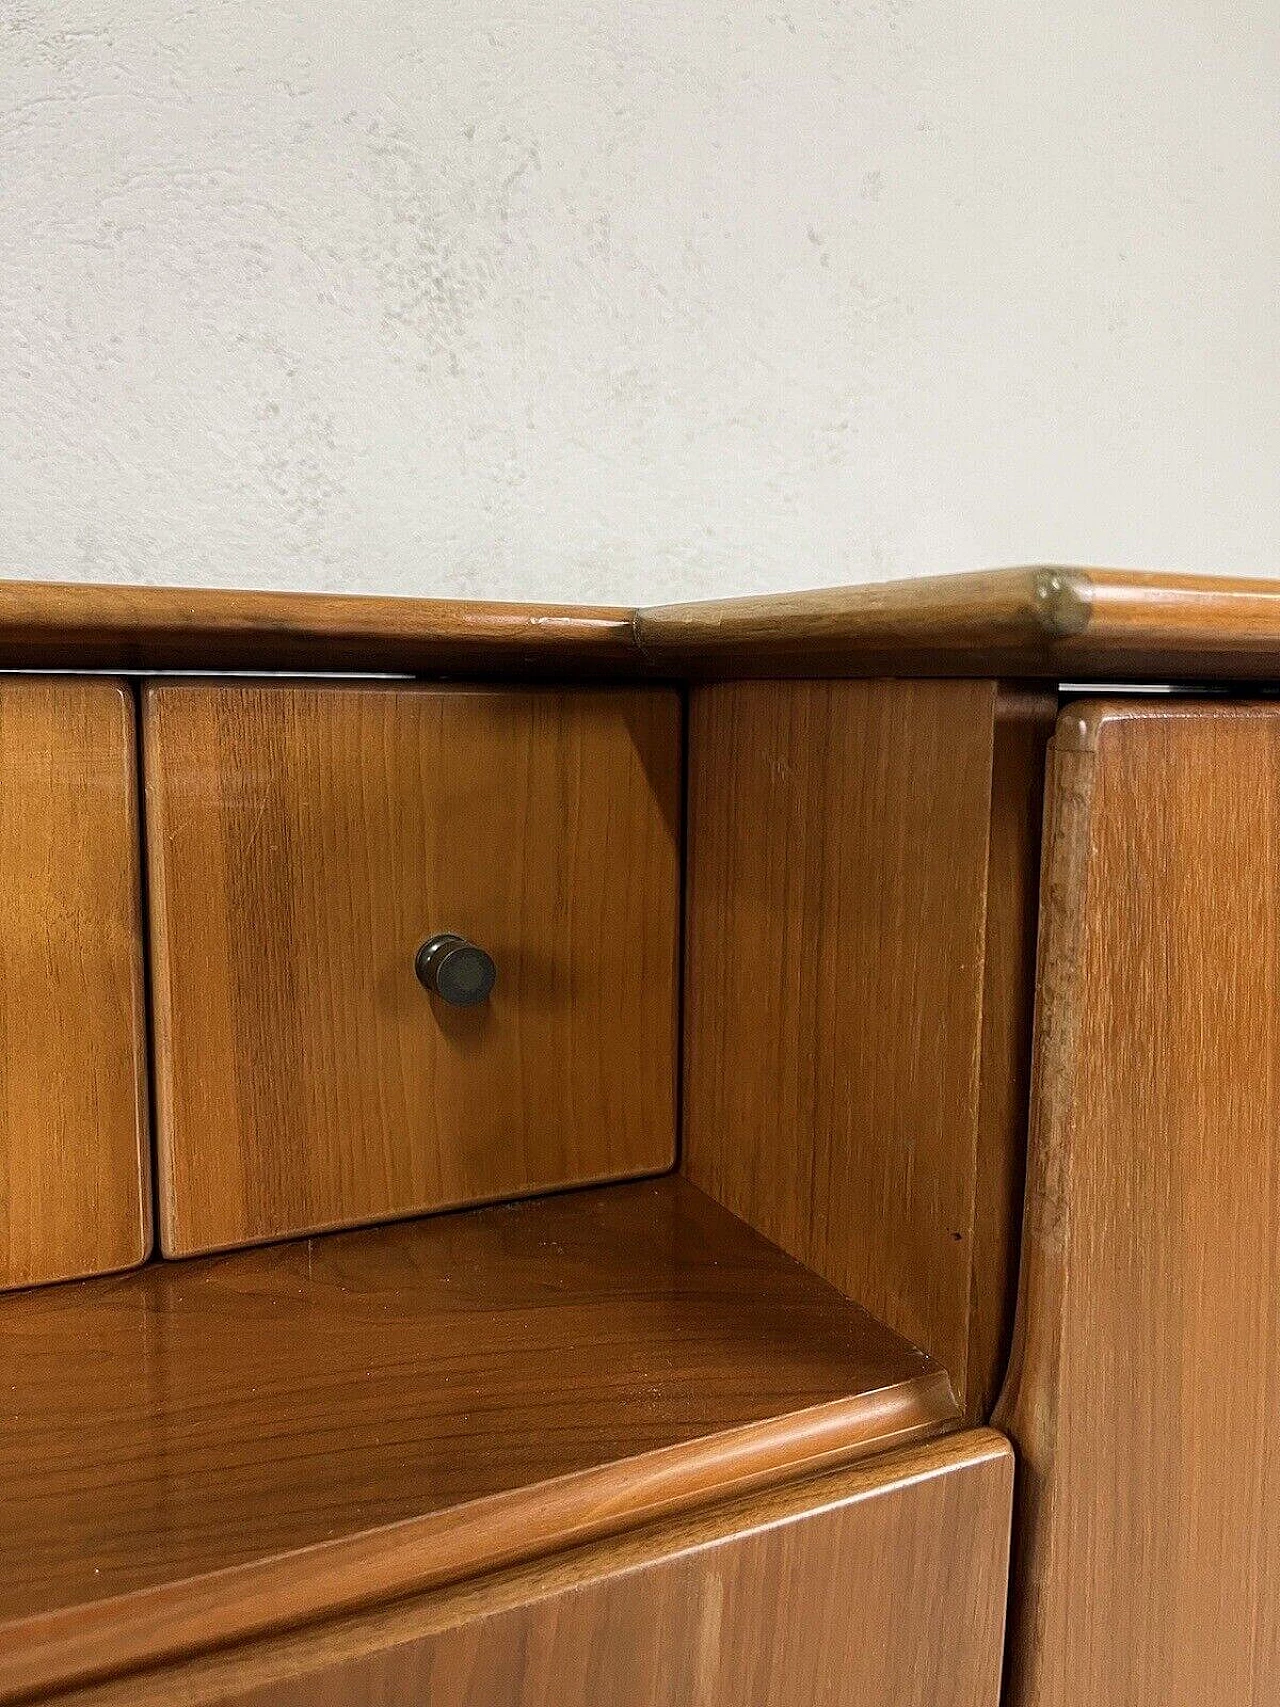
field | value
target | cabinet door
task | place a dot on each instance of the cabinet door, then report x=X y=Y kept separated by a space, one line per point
x=73 y=1152
x=1144 y=1395
x=304 y=840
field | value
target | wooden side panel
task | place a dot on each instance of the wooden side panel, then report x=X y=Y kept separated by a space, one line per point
x=856 y=1013
x=1024 y=723
x=74 y=1198
x=303 y=841
x=882 y=1587
x=1145 y=1387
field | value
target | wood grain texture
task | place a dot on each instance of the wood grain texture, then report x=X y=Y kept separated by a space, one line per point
x=56 y=625
x=1145 y=1385
x=1024 y=723
x=74 y=1197
x=984 y=624
x=303 y=841
x=201 y=1451
x=855 y=1013
x=881 y=1586
x=1045 y=622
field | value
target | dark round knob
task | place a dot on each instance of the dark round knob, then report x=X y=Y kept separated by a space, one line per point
x=455 y=969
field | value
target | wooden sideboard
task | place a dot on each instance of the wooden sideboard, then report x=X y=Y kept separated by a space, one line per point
x=848 y=1144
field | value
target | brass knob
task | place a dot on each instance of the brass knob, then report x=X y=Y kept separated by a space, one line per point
x=455 y=969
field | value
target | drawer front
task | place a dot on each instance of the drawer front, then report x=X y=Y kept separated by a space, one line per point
x=74 y=1198
x=303 y=842
x=882 y=1586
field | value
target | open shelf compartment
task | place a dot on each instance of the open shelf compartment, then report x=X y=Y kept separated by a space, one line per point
x=208 y=1449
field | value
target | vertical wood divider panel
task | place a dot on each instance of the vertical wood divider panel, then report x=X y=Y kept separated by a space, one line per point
x=1145 y=1385
x=861 y=868
x=303 y=840
x=1023 y=725
x=74 y=1193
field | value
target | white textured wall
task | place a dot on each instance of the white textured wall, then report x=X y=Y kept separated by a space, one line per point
x=537 y=297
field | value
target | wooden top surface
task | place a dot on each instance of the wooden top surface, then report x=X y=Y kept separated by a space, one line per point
x=250 y=1441
x=64 y=625
x=1050 y=623
x=1055 y=623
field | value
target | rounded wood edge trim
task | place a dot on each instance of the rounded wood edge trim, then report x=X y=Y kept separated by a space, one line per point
x=1044 y=621
x=70 y=624
x=989 y=621
x=79 y=1645
x=276 y=1658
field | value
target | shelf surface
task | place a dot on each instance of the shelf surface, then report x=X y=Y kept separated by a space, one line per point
x=201 y=1450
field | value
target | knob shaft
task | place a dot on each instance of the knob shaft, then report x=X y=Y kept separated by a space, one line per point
x=455 y=969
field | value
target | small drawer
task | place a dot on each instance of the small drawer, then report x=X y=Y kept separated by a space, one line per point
x=74 y=1193
x=304 y=841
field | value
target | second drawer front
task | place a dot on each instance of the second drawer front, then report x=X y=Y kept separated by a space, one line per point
x=884 y=1586
x=303 y=841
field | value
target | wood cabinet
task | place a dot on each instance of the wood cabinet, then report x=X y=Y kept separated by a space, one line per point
x=759 y=880
x=303 y=841
x=74 y=1196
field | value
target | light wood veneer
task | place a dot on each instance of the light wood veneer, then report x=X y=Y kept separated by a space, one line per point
x=861 y=905
x=303 y=841
x=1145 y=1388
x=74 y=1195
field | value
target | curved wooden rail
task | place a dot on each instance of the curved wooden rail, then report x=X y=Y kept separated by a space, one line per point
x=1057 y=623
x=1048 y=623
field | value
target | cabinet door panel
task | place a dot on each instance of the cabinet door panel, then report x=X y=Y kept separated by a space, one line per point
x=73 y=1155
x=304 y=840
x=1145 y=1388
